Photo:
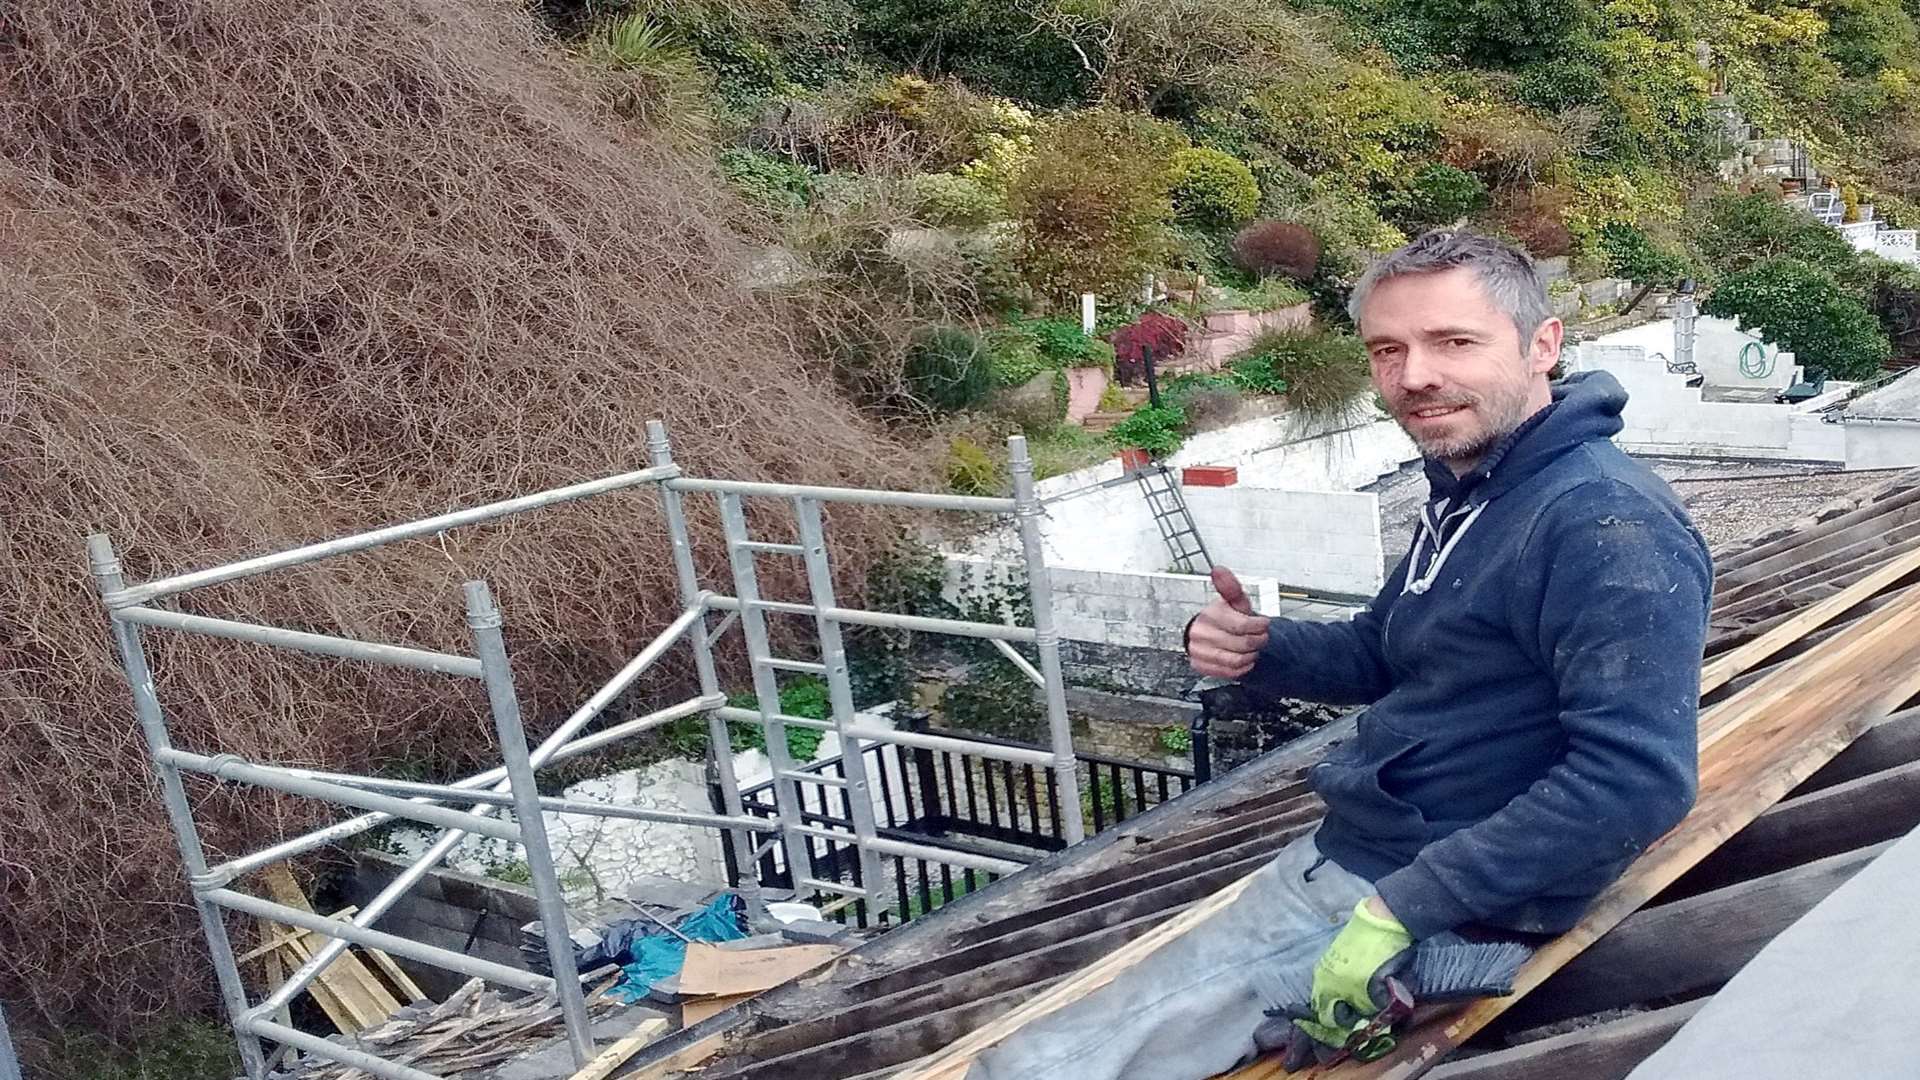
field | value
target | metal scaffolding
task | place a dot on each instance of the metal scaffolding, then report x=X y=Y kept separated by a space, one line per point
x=469 y=806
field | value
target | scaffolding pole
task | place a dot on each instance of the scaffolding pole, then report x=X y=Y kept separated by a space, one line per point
x=173 y=793
x=483 y=618
x=512 y=783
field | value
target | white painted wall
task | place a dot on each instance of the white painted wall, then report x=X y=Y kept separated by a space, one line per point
x=599 y=857
x=1881 y=445
x=1665 y=416
x=1325 y=541
x=1115 y=607
x=1273 y=452
x=1717 y=346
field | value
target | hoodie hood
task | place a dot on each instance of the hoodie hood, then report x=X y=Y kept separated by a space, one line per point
x=1586 y=406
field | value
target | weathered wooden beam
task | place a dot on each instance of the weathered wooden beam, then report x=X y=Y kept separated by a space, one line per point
x=1606 y=1051
x=1687 y=946
x=1870 y=810
x=1892 y=742
x=1721 y=668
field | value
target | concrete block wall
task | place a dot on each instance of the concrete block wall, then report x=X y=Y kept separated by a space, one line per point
x=1322 y=541
x=1665 y=416
x=1717 y=347
x=1114 y=607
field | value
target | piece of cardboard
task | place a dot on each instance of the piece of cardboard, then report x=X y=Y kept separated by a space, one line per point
x=699 y=1009
x=711 y=972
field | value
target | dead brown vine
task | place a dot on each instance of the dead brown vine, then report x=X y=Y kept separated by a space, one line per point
x=274 y=270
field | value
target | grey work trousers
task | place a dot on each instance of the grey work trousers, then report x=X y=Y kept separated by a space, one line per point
x=1188 y=1011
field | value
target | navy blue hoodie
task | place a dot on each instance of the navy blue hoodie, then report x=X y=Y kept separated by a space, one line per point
x=1532 y=669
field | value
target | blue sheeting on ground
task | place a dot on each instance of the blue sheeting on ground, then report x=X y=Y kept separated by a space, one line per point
x=646 y=953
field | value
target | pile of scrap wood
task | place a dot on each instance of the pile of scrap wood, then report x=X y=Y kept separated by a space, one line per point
x=1817 y=639
x=475 y=1028
x=361 y=988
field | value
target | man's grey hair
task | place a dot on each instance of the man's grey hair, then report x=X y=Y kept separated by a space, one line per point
x=1506 y=272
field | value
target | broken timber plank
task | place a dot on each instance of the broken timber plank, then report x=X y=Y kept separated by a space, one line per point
x=614 y=1056
x=1724 y=667
x=362 y=999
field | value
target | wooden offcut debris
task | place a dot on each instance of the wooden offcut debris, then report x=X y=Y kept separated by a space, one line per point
x=359 y=989
x=475 y=1028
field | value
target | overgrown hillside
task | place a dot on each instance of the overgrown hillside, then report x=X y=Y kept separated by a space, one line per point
x=272 y=272
x=1080 y=145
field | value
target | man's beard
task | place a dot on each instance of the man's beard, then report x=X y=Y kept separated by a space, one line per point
x=1503 y=414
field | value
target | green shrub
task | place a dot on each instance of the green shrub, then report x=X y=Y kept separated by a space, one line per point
x=1207 y=402
x=1804 y=309
x=1439 y=195
x=1212 y=189
x=1158 y=431
x=1742 y=230
x=187 y=1049
x=1092 y=204
x=804 y=696
x=992 y=44
x=1063 y=344
x=1014 y=356
x=971 y=470
x=1632 y=254
x=1267 y=294
x=953 y=200
x=1323 y=374
x=1065 y=448
x=949 y=369
x=766 y=181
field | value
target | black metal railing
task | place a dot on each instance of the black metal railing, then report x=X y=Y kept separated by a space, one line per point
x=967 y=803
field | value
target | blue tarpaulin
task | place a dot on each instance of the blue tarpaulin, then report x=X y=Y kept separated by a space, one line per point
x=646 y=953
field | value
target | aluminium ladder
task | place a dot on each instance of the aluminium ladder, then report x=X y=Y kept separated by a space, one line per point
x=1175 y=521
x=832 y=668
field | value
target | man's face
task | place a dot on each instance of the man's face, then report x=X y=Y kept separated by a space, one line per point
x=1451 y=365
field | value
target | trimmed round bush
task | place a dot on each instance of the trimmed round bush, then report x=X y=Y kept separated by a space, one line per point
x=1440 y=195
x=1277 y=247
x=1803 y=308
x=1212 y=188
x=949 y=369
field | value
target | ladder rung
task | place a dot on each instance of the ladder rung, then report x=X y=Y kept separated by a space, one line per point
x=817 y=885
x=812 y=778
x=806 y=666
x=771 y=549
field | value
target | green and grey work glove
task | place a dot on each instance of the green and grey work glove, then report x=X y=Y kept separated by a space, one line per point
x=1349 y=981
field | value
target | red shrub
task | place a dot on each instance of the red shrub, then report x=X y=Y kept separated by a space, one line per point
x=1277 y=247
x=1165 y=335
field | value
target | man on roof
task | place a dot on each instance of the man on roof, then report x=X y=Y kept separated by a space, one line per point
x=1530 y=677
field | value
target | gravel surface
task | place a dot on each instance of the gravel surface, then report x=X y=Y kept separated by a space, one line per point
x=1729 y=500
